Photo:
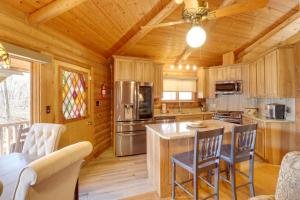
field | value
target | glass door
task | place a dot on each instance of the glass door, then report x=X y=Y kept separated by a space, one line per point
x=145 y=101
x=15 y=101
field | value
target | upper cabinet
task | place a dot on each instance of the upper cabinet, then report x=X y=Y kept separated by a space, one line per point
x=229 y=73
x=272 y=76
x=139 y=69
x=211 y=82
x=260 y=77
x=202 y=89
x=280 y=73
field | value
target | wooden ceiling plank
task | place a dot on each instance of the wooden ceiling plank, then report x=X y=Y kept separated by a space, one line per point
x=156 y=15
x=284 y=21
x=51 y=10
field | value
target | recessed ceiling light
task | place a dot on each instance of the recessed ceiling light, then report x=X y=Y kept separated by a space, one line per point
x=187 y=67
x=194 y=67
x=180 y=66
x=172 y=66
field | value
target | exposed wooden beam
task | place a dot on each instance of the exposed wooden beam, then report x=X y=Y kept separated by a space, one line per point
x=51 y=10
x=188 y=50
x=284 y=21
x=156 y=15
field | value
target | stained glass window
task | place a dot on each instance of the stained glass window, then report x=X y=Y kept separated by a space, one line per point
x=74 y=95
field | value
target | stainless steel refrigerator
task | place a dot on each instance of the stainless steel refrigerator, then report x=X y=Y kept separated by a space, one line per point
x=133 y=110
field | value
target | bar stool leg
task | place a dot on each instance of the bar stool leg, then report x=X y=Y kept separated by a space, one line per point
x=251 y=174
x=196 y=184
x=216 y=184
x=233 y=184
x=173 y=179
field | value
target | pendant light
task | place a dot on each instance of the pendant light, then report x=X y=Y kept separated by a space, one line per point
x=4 y=58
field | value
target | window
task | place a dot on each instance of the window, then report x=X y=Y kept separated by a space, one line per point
x=74 y=94
x=185 y=96
x=169 y=96
x=178 y=96
x=179 y=89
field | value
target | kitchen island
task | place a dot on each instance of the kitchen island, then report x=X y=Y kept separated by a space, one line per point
x=165 y=140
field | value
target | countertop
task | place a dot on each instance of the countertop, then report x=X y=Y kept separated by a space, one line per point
x=264 y=119
x=170 y=131
x=182 y=114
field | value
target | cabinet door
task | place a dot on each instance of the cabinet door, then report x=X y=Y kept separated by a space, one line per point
x=207 y=116
x=252 y=80
x=158 y=81
x=212 y=73
x=260 y=139
x=234 y=73
x=148 y=72
x=201 y=83
x=124 y=70
x=139 y=71
x=271 y=74
x=221 y=74
x=260 y=77
x=246 y=80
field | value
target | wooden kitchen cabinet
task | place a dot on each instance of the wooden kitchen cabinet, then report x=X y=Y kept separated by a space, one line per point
x=158 y=81
x=280 y=73
x=234 y=73
x=246 y=80
x=260 y=139
x=252 y=80
x=221 y=74
x=124 y=70
x=260 y=77
x=212 y=77
x=202 y=87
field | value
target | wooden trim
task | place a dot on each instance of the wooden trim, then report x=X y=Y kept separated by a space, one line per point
x=53 y=9
x=280 y=24
x=73 y=68
x=156 y=15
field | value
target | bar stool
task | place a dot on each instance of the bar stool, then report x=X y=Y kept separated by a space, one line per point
x=204 y=157
x=241 y=149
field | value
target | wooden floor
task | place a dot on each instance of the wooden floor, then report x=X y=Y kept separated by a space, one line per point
x=111 y=178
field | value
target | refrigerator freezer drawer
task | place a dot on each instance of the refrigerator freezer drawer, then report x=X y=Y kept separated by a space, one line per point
x=132 y=126
x=130 y=143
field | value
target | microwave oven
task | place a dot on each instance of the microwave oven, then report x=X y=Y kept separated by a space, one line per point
x=228 y=87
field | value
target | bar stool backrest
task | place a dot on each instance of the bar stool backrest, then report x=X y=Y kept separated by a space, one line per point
x=207 y=146
x=243 y=139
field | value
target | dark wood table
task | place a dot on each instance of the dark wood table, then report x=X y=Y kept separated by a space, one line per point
x=10 y=168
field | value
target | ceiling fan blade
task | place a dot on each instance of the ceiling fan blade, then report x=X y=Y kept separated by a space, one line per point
x=238 y=8
x=163 y=24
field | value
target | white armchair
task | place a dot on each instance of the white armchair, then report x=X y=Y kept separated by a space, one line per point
x=53 y=176
x=288 y=187
x=42 y=139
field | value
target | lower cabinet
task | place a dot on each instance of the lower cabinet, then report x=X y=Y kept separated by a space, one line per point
x=273 y=139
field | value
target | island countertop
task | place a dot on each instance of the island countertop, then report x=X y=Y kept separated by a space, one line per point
x=169 y=131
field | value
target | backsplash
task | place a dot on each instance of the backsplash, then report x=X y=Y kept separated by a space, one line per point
x=238 y=103
x=289 y=103
x=230 y=102
x=175 y=105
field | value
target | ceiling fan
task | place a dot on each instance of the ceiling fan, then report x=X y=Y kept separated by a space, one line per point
x=196 y=11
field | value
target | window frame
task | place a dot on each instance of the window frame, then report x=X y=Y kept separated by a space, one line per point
x=62 y=66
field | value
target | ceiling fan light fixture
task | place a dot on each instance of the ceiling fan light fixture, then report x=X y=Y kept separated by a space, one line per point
x=179 y=1
x=196 y=37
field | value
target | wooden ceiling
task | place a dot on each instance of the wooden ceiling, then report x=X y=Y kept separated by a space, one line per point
x=105 y=25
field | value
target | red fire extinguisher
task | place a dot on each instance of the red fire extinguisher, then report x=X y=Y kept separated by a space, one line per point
x=103 y=90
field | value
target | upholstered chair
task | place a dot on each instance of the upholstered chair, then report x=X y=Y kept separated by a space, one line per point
x=53 y=176
x=288 y=187
x=42 y=139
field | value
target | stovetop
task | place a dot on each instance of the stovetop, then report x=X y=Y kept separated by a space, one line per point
x=229 y=116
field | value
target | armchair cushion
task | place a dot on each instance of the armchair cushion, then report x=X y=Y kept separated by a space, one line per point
x=42 y=139
x=288 y=187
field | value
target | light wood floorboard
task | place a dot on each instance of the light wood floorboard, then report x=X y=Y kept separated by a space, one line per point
x=112 y=178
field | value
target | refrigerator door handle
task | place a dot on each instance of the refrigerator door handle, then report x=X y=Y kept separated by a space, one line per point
x=132 y=134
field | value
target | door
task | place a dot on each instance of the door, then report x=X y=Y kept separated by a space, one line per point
x=73 y=105
x=15 y=100
x=130 y=143
x=145 y=101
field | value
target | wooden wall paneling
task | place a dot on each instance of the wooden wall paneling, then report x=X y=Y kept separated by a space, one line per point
x=253 y=79
x=158 y=81
x=59 y=47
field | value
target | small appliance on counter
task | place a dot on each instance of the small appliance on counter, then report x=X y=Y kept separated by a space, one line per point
x=252 y=111
x=275 y=111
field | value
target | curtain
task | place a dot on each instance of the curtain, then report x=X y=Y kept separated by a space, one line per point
x=179 y=85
